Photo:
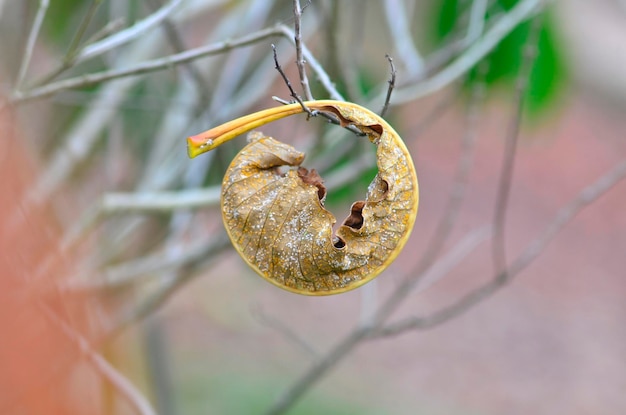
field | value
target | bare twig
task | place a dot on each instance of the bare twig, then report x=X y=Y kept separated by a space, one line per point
x=292 y=93
x=69 y=59
x=285 y=330
x=329 y=116
x=304 y=80
x=299 y=388
x=133 y=271
x=117 y=380
x=176 y=41
x=476 y=21
x=160 y=202
x=400 y=31
x=173 y=60
x=185 y=272
x=234 y=77
x=128 y=34
x=108 y=29
x=457 y=193
x=30 y=43
x=85 y=134
x=449 y=261
x=475 y=29
x=392 y=83
x=146 y=67
x=139 y=203
x=508 y=161
x=322 y=76
x=82 y=28
x=586 y=197
x=344 y=62
x=436 y=112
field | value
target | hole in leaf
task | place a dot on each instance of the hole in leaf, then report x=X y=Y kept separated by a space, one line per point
x=312 y=177
x=377 y=128
x=355 y=220
x=338 y=242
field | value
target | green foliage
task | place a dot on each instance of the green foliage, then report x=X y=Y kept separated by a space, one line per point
x=504 y=62
x=238 y=394
x=62 y=18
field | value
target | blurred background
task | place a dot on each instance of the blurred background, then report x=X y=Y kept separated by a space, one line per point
x=115 y=266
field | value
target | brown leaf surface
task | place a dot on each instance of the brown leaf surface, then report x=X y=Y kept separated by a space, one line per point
x=278 y=223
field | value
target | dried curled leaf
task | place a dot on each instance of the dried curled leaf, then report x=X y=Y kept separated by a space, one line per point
x=278 y=223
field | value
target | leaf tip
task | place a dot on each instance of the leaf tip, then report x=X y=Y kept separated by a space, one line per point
x=198 y=144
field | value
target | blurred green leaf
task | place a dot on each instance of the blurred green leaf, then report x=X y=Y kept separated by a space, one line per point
x=504 y=62
x=244 y=394
x=62 y=19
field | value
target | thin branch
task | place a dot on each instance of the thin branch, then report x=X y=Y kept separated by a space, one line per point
x=175 y=39
x=146 y=67
x=329 y=116
x=30 y=43
x=176 y=59
x=185 y=272
x=436 y=112
x=292 y=92
x=344 y=62
x=133 y=271
x=319 y=369
x=118 y=381
x=128 y=34
x=160 y=202
x=475 y=29
x=285 y=330
x=461 y=176
x=313 y=63
x=461 y=250
x=140 y=203
x=304 y=80
x=70 y=55
x=500 y=29
x=69 y=59
x=392 y=83
x=400 y=31
x=108 y=29
x=76 y=54
x=443 y=267
x=476 y=21
x=510 y=149
x=586 y=197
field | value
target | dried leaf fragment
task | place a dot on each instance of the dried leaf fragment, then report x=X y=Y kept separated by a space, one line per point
x=278 y=223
